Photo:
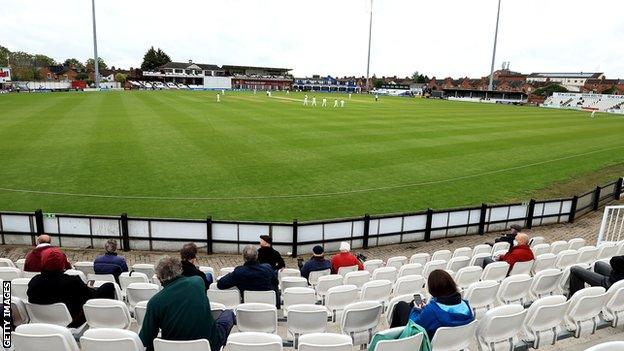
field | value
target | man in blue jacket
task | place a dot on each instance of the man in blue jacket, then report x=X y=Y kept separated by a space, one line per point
x=252 y=276
x=316 y=263
x=110 y=263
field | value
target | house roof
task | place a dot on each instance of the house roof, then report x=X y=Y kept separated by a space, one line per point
x=189 y=65
x=566 y=75
x=233 y=67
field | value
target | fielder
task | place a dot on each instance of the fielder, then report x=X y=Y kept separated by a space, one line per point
x=335 y=102
x=349 y=96
x=305 y=100
x=593 y=115
x=218 y=97
x=342 y=103
x=324 y=103
x=314 y=101
x=222 y=91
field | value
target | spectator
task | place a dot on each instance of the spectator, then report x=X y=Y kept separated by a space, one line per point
x=252 y=275
x=316 y=263
x=52 y=286
x=33 y=258
x=109 y=262
x=446 y=308
x=267 y=254
x=345 y=259
x=604 y=274
x=181 y=310
x=188 y=254
x=509 y=238
x=519 y=253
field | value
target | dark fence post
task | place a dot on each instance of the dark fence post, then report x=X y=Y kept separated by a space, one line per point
x=366 y=231
x=428 y=225
x=125 y=238
x=482 y=218
x=295 y=239
x=209 y=235
x=39 y=222
x=596 y=198
x=573 y=209
x=618 y=188
x=530 y=214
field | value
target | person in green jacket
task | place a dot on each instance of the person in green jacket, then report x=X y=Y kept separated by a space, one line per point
x=181 y=310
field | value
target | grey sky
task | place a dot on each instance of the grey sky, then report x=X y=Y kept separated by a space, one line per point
x=441 y=38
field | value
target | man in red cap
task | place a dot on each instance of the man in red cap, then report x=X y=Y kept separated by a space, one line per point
x=33 y=258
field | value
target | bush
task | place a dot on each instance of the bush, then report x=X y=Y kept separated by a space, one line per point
x=549 y=90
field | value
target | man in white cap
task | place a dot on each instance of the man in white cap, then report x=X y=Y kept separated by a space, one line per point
x=345 y=259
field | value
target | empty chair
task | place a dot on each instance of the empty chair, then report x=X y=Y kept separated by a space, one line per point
x=482 y=248
x=306 y=319
x=109 y=278
x=462 y=252
x=477 y=258
x=495 y=271
x=608 y=346
x=541 y=321
x=481 y=296
x=432 y=266
x=340 y=296
x=543 y=261
x=344 y=270
x=576 y=243
x=466 y=276
x=293 y=282
x=456 y=263
x=454 y=338
x=145 y=268
x=325 y=342
x=5 y=262
x=536 y=240
x=558 y=246
x=18 y=311
x=371 y=265
x=360 y=317
x=544 y=283
x=230 y=297
x=499 y=326
x=104 y=339
x=541 y=249
x=9 y=273
x=522 y=267
x=139 y=312
x=410 y=269
x=136 y=292
x=106 y=313
x=421 y=258
x=607 y=250
x=55 y=313
x=288 y=272
x=581 y=316
x=441 y=255
x=78 y=273
x=315 y=275
x=396 y=262
x=225 y=270
x=501 y=246
x=207 y=269
x=409 y=284
x=20 y=263
x=376 y=290
x=127 y=278
x=514 y=289
x=357 y=278
x=256 y=317
x=398 y=298
x=19 y=287
x=39 y=336
x=177 y=345
x=388 y=273
x=254 y=341
x=566 y=258
x=298 y=296
x=395 y=344
x=85 y=267
x=587 y=255
x=613 y=310
x=267 y=297
x=327 y=282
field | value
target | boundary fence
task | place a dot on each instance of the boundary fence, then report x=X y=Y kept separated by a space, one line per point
x=221 y=236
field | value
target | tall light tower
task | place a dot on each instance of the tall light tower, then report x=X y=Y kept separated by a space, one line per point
x=491 y=85
x=95 y=54
x=370 y=32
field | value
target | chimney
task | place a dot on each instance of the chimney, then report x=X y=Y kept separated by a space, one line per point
x=190 y=61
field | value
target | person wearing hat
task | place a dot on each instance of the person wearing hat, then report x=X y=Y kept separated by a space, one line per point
x=345 y=259
x=514 y=229
x=267 y=254
x=316 y=263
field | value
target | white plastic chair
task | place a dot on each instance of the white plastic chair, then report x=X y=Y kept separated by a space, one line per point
x=462 y=252
x=230 y=297
x=18 y=311
x=327 y=282
x=5 y=262
x=613 y=311
x=394 y=344
x=56 y=314
x=499 y=326
x=325 y=342
x=19 y=288
x=314 y=276
x=107 y=313
x=536 y=240
x=293 y=282
x=371 y=265
x=522 y=268
x=587 y=255
x=482 y=248
x=78 y=273
x=405 y=298
x=254 y=341
x=500 y=246
x=256 y=317
x=118 y=292
x=432 y=266
x=421 y=257
x=297 y=296
x=409 y=284
x=306 y=319
x=495 y=271
x=360 y=317
x=40 y=336
x=576 y=243
x=607 y=250
x=344 y=270
x=357 y=278
x=340 y=296
x=410 y=269
x=179 y=345
x=136 y=292
x=543 y=261
x=558 y=246
x=454 y=338
x=542 y=319
x=377 y=290
x=225 y=271
x=477 y=258
x=145 y=268
x=541 y=249
x=267 y=297
x=85 y=267
x=566 y=258
x=581 y=316
x=9 y=273
x=396 y=262
x=608 y=346
x=216 y=309
x=514 y=289
x=457 y=263
x=466 y=276
x=481 y=296
x=388 y=273
x=106 y=339
x=109 y=278
x=544 y=283
x=126 y=279
x=441 y=255
x=140 y=309
x=20 y=263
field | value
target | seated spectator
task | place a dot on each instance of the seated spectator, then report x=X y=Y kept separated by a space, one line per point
x=188 y=254
x=345 y=259
x=446 y=308
x=252 y=275
x=316 y=263
x=519 y=253
x=604 y=274
x=267 y=254
x=109 y=262
x=52 y=286
x=33 y=258
x=181 y=310
x=509 y=238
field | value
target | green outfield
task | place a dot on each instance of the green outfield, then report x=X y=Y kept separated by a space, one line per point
x=250 y=157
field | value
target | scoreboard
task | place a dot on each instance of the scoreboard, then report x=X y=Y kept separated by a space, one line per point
x=5 y=74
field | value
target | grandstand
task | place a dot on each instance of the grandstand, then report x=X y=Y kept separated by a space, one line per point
x=588 y=102
x=329 y=84
x=259 y=78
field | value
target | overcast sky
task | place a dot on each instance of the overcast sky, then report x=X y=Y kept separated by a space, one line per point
x=329 y=37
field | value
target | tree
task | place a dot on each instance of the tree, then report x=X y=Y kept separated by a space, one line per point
x=611 y=90
x=101 y=64
x=419 y=78
x=549 y=90
x=73 y=63
x=4 y=55
x=120 y=77
x=154 y=59
x=82 y=76
x=415 y=76
x=377 y=83
x=43 y=61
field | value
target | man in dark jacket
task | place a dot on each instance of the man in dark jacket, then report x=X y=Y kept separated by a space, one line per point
x=509 y=238
x=604 y=274
x=316 y=263
x=188 y=255
x=110 y=263
x=33 y=258
x=267 y=254
x=252 y=275
x=181 y=310
x=53 y=285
